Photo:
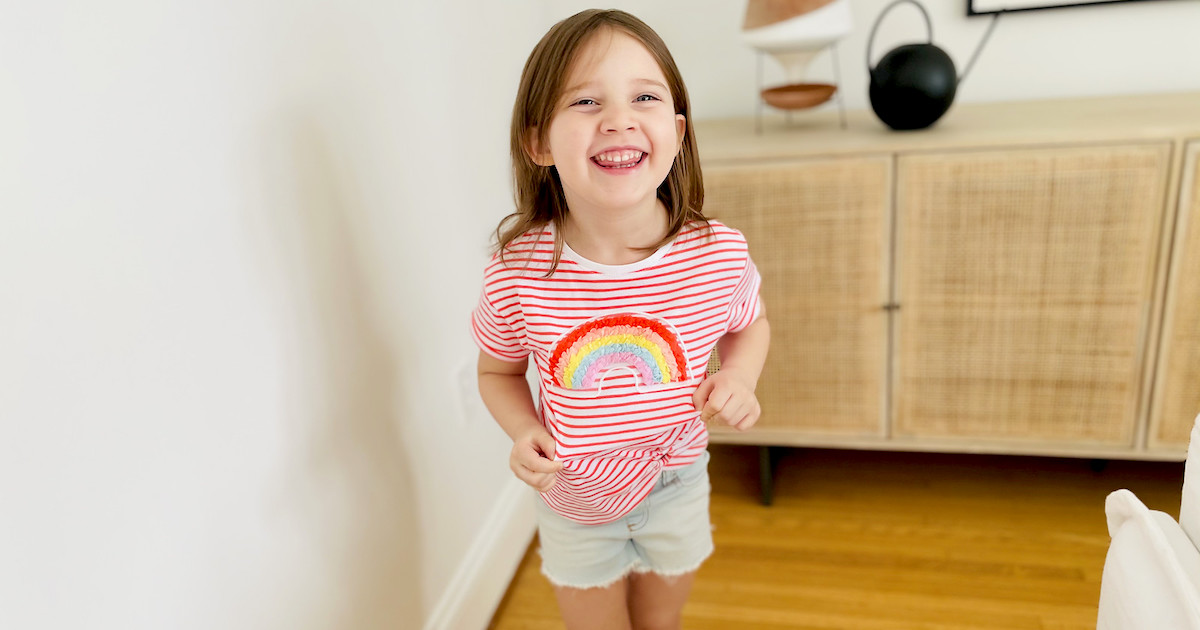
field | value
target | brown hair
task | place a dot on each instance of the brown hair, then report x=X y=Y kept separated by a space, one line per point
x=537 y=189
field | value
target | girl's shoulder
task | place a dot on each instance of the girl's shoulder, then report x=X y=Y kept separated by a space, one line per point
x=713 y=233
x=721 y=230
x=528 y=251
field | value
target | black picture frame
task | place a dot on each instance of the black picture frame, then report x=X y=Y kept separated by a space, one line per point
x=992 y=7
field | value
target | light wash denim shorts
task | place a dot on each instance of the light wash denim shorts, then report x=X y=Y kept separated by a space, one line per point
x=668 y=533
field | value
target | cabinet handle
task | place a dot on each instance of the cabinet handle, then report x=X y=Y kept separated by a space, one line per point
x=891 y=306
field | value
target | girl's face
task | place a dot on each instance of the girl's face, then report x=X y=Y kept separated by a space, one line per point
x=615 y=132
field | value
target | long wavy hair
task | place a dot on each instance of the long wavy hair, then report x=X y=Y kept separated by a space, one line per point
x=537 y=190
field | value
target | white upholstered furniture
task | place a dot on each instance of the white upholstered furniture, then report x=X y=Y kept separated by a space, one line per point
x=1151 y=576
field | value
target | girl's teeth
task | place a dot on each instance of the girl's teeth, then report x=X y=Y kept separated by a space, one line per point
x=620 y=157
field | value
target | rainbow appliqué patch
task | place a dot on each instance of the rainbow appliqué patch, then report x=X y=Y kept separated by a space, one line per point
x=646 y=345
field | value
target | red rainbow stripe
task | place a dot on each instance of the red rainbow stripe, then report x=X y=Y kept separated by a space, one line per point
x=621 y=319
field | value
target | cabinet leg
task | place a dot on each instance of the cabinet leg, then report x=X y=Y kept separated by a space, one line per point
x=766 y=474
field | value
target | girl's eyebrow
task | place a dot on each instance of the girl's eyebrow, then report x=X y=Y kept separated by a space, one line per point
x=652 y=82
x=580 y=86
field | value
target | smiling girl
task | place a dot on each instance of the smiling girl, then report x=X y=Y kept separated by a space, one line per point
x=610 y=276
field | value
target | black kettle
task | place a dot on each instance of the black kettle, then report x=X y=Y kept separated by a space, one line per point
x=914 y=84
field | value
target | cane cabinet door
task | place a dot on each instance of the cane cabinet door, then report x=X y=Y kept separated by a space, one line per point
x=1024 y=284
x=819 y=234
x=1177 y=384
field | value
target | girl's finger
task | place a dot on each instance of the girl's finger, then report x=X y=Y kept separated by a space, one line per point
x=545 y=444
x=750 y=418
x=732 y=411
x=700 y=396
x=717 y=401
x=542 y=482
x=542 y=465
x=537 y=480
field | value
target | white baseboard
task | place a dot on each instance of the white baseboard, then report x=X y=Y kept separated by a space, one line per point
x=485 y=572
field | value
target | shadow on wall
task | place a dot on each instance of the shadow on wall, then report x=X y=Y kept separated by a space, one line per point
x=349 y=486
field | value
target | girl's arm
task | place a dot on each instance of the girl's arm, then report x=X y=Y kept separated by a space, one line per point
x=506 y=394
x=505 y=391
x=745 y=351
x=728 y=396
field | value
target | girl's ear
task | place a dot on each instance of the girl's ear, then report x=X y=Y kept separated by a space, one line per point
x=680 y=128
x=533 y=148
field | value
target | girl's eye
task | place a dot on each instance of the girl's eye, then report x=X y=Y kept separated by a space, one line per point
x=584 y=101
x=646 y=97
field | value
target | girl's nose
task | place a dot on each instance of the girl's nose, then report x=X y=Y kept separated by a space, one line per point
x=619 y=119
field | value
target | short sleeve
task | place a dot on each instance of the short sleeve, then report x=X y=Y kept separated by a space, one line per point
x=494 y=332
x=745 y=305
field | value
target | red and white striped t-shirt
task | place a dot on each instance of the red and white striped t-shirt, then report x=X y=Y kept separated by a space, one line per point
x=619 y=350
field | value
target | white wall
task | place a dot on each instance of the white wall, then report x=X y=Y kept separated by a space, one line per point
x=1138 y=47
x=238 y=247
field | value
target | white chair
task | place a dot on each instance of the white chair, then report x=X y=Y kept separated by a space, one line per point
x=1151 y=578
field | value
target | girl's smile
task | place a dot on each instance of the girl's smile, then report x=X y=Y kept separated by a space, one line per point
x=619 y=160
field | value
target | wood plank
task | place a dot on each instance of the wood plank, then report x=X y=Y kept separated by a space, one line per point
x=891 y=541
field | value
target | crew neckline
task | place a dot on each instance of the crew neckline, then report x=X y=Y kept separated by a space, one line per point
x=587 y=263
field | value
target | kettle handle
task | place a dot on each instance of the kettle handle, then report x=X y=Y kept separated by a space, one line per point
x=871 y=39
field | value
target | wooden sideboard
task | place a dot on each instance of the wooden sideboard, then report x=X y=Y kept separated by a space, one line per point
x=1021 y=278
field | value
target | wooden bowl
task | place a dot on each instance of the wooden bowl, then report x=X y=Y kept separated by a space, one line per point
x=798 y=95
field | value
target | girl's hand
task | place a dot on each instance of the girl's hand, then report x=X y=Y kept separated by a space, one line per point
x=727 y=397
x=532 y=459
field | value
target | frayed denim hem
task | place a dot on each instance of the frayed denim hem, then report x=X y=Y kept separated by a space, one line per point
x=566 y=584
x=634 y=567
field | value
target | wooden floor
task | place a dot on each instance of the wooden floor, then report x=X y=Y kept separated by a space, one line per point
x=896 y=541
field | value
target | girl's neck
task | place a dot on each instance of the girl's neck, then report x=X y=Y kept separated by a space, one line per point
x=616 y=238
